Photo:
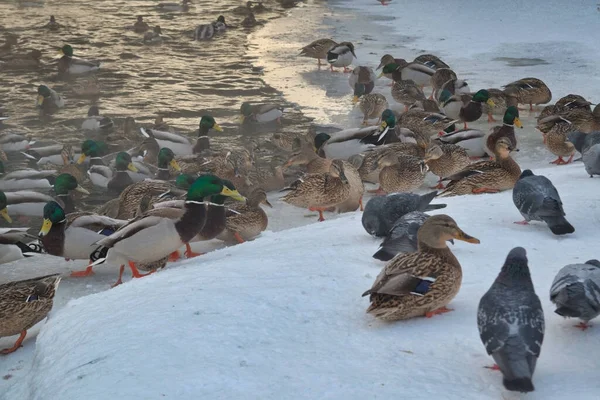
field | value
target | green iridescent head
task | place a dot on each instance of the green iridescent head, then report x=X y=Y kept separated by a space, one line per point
x=389 y=68
x=481 y=96
x=219 y=198
x=246 y=109
x=54 y=212
x=320 y=140
x=44 y=91
x=123 y=162
x=166 y=157
x=67 y=50
x=64 y=183
x=184 y=181
x=388 y=119
x=207 y=123
x=210 y=185
x=511 y=117
x=90 y=149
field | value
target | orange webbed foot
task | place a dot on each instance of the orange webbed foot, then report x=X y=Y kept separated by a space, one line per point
x=82 y=274
x=377 y=192
x=521 y=222
x=441 y=310
x=120 y=280
x=136 y=272
x=17 y=345
x=174 y=256
x=189 y=253
x=494 y=367
x=582 y=325
x=239 y=237
x=484 y=190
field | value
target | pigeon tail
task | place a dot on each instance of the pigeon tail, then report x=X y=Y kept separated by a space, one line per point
x=559 y=225
x=565 y=311
x=434 y=207
x=425 y=200
x=390 y=248
x=522 y=385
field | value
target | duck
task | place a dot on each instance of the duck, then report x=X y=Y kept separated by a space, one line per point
x=361 y=81
x=52 y=24
x=432 y=61
x=529 y=91
x=26 y=179
x=258 y=8
x=581 y=119
x=372 y=105
x=486 y=176
x=181 y=145
x=245 y=222
x=243 y=10
x=419 y=73
x=445 y=160
x=454 y=86
x=507 y=130
x=574 y=101
x=501 y=102
x=48 y=100
x=140 y=25
x=23 y=304
x=407 y=93
x=68 y=64
x=220 y=25
x=96 y=122
x=60 y=158
x=424 y=282
x=318 y=49
x=127 y=205
x=89 y=87
x=556 y=139
x=472 y=140
x=93 y=150
x=64 y=184
x=166 y=159
x=425 y=124
x=426 y=105
x=103 y=176
x=439 y=78
x=319 y=192
x=249 y=21
x=153 y=37
x=204 y=32
x=341 y=56
x=464 y=107
x=11 y=142
x=270 y=178
x=399 y=173
x=16 y=244
x=33 y=59
x=388 y=59
x=152 y=238
x=183 y=6
x=261 y=113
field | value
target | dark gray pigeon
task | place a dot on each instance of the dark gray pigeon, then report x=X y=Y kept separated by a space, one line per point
x=511 y=322
x=591 y=160
x=402 y=238
x=382 y=212
x=537 y=199
x=577 y=138
x=576 y=292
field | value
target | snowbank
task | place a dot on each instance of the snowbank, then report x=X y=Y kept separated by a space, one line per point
x=282 y=318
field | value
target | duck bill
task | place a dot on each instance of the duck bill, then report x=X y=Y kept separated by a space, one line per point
x=175 y=165
x=234 y=194
x=355 y=100
x=266 y=202
x=81 y=159
x=383 y=126
x=380 y=75
x=217 y=128
x=132 y=167
x=490 y=103
x=460 y=235
x=46 y=226
x=5 y=215
x=518 y=123
x=81 y=190
x=379 y=67
x=40 y=100
x=242 y=119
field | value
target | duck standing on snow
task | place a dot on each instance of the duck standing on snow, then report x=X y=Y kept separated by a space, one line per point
x=261 y=113
x=576 y=292
x=419 y=73
x=445 y=160
x=48 y=100
x=424 y=282
x=361 y=81
x=464 y=107
x=556 y=139
x=23 y=304
x=71 y=65
x=96 y=122
x=407 y=93
x=402 y=238
x=318 y=49
x=341 y=56
x=13 y=244
x=246 y=221
x=372 y=105
x=537 y=199
x=472 y=140
x=529 y=91
x=507 y=130
x=511 y=323
x=382 y=212
x=399 y=173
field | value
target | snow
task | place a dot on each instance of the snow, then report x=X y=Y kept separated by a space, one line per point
x=283 y=317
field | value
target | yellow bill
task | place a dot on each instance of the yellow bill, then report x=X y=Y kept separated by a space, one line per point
x=40 y=100
x=383 y=125
x=81 y=159
x=81 y=190
x=518 y=123
x=234 y=194
x=490 y=103
x=132 y=167
x=242 y=119
x=174 y=165
x=380 y=75
x=217 y=128
x=46 y=226
x=460 y=235
x=4 y=213
x=355 y=100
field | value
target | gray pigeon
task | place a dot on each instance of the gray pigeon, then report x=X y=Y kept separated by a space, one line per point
x=591 y=160
x=382 y=212
x=576 y=291
x=402 y=238
x=511 y=322
x=577 y=138
x=537 y=199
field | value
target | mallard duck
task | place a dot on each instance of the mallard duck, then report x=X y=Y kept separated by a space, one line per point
x=529 y=91
x=464 y=107
x=399 y=173
x=507 y=130
x=10 y=142
x=24 y=304
x=220 y=25
x=407 y=93
x=103 y=176
x=388 y=59
x=421 y=283
x=472 y=140
x=26 y=179
x=71 y=65
x=153 y=37
x=581 y=119
x=319 y=192
x=93 y=150
x=426 y=105
x=140 y=25
x=183 y=6
x=574 y=101
x=249 y=21
x=64 y=160
x=501 y=102
x=152 y=238
x=341 y=55
x=361 y=81
x=14 y=244
x=318 y=49
x=64 y=184
x=441 y=76
x=128 y=203
x=52 y=24
x=33 y=59
x=556 y=139
x=204 y=32
x=261 y=113
x=445 y=160
x=73 y=235
x=181 y=145
x=48 y=100
x=89 y=87
x=431 y=61
x=269 y=179
x=246 y=221
x=423 y=123
x=486 y=176
x=372 y=105
x=96 y=122
x=243 y=10
x=419 y=73
x=454 y=86
x=166 y=159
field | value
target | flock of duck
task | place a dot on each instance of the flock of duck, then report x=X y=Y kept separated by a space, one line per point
x=171 y=191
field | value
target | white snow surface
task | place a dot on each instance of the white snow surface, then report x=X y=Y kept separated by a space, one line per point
x=283 y=317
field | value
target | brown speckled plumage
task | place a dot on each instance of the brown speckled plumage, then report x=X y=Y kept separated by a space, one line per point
x=401 y=173
x=247 y=220
x=446 y=159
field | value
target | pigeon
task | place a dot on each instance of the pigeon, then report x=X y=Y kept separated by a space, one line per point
x=537 y=199
x=382 y=212
x=511 y=322
x=591 y=160
x=576 y=292
x=402 y=238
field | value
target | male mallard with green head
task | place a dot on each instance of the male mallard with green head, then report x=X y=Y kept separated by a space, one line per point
x=48 y=100
x=465 y=107
x=71 y=65
x=507 y=130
